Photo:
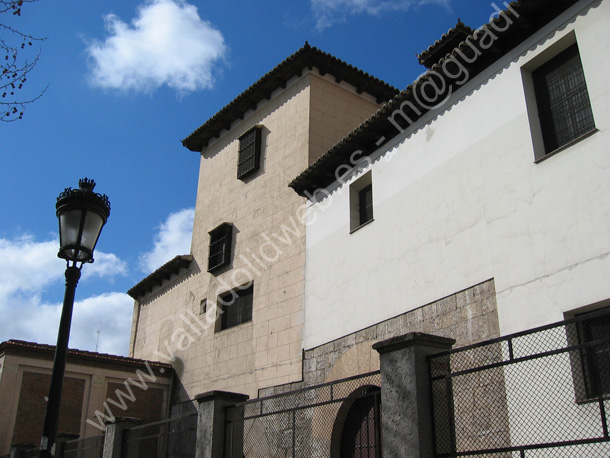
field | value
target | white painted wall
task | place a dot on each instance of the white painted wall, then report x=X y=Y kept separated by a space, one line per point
x=461 y=200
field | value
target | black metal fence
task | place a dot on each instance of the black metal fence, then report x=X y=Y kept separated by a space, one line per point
x=339 y=418
x=540 y=393
x=173 y=438
x=89 y=447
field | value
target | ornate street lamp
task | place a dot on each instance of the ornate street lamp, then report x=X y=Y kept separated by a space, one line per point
x=82 y=214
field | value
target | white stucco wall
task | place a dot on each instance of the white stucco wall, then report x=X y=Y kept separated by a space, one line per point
x=460 y=201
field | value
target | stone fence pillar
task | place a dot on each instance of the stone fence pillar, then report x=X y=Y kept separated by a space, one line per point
x=211 y=423
x=113 y=439
x=406 y=420
x=60 y=443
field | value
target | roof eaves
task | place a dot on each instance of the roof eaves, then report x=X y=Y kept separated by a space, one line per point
x=306 y=57
x=160 y=275
x=320 y=173
x=33 y=349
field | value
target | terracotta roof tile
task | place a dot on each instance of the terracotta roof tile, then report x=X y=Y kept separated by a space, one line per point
x=447 y=43
x=306 y=57
x=89 y=358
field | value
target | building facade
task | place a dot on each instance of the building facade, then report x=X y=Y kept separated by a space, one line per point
x=89 y=396
x=229 y=315
x=475 y=205
x=487 y=190
x=472 y=205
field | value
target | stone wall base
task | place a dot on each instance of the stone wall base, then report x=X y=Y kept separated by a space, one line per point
x=468 y=316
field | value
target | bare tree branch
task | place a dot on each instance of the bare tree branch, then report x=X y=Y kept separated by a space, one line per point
x=15 y=66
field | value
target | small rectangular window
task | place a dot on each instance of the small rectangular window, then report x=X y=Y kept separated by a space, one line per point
x=563 y=102
x=220 y=247
x=236 y=307
x=365 y=199
x=249 y=152
x=361 y=202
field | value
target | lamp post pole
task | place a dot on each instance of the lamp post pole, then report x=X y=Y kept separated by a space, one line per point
x=82 y=215
x=51 y=420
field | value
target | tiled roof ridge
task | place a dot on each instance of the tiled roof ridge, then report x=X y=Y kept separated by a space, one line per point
x=17 y=343
x=303 y=183
x=459 y=27
x=350 y=66
x=307 y=52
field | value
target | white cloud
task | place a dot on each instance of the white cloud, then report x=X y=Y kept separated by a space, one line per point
x=105 y=265
x=167 y=43
x=329 y=12
x=28 y=267
x=28 y=318
x=110 y=314
x=173 y=238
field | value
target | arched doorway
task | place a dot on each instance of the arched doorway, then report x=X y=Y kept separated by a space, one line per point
x=357 y=433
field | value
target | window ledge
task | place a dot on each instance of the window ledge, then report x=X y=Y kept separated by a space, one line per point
x=232 y=327
x=566 y=146
x=362 y=225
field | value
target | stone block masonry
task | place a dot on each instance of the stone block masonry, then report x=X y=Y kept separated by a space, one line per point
x=468 y=316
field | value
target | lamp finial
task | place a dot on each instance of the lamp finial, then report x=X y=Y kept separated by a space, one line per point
x=86 y=184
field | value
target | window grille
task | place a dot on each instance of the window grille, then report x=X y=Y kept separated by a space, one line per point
x=249 y=152
x=563 y=101
x=595 y=359
x=220 y=247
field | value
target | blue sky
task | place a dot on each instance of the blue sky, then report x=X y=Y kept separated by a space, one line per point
x=126 y=81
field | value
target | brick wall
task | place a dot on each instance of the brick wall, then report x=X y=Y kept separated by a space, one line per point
x=32 y=406
x=147 y=406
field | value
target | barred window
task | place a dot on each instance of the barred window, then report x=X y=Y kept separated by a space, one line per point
x=236 y=307
x=220 y=247
x=562 y=98
x=249 y=152
x=595 y=357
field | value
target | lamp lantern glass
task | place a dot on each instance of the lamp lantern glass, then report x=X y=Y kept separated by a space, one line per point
x=82 y=214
